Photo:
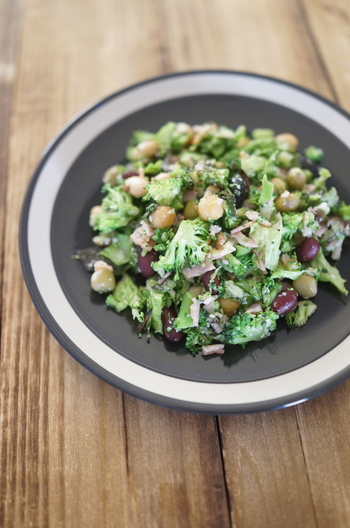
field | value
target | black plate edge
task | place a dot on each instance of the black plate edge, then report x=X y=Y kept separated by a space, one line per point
x=77 y=353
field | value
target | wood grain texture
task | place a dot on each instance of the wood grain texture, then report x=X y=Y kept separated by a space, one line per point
x=329 y=24
x=266 y=472
x=75 y=452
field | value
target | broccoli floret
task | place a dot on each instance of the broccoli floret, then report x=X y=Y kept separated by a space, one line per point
x=314 y=154
x=232 y=291
x=270 y=288
x=301 y=314
x=246 y=327
x=127 y=294
x=189 y=247
x=117 y=210
x=198 y=337
x=165 y=192
x=330 y=197
x=320 y=182
x=154 y=168
x=253 y=165
x=297 y=222
x=162 y=237
x=238 y=266
x=342 y=210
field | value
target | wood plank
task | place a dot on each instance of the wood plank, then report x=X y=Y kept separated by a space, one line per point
x=64 y=442
x=266 y=472
x=323 y=423
x=181 y=465
x=9 y=33
x=264 y=457
x=329 y=24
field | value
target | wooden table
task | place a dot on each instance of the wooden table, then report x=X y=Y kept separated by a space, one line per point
x=74 y=451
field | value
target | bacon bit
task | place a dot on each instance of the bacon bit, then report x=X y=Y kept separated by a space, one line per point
x=199 y=269
x=162 y=279
x=254 y=215
x=260 y=261
x=213 y=349
x=227 y=249
x=254 y=308
x=100 y=264
x=220 y=240
x=142 y=236
x=245 y=241
x=241 y=228
x=194 y=311
x=190 y=194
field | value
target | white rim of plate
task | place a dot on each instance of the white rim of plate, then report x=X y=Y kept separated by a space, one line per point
x=68 y=146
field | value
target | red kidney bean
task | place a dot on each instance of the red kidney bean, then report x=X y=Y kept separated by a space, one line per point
x=285 y=302
x=129 y=173
x=168 y=317
x=307 y=250
x=145 y=261
x=210 y=284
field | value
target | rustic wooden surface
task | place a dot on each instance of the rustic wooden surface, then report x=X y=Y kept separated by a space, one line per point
x=75 y=452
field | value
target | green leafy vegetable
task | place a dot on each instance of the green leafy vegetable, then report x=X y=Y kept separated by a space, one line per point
x=328 y=273
x=126 y=294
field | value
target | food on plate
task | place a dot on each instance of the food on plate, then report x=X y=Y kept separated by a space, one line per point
x=210 y=235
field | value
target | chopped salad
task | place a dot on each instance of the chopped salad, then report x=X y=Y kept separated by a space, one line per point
x=210 y=235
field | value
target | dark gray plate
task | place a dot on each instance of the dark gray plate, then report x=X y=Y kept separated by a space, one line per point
x=80 y=167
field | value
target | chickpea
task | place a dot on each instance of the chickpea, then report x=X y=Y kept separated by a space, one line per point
x=242 y=142
x=136 y=186
x=163 y=216
x=296 y=178
x=213 y=189
x=229 y=306
x=145 y=149
x=210 y=207
x=162 y=176
x=287 y=203
x=191 y=210
x=103 y=281
x=279 y=185
x=290 y=139
x=94 y=212
x=305 y=286
x=111 y=175
x=195 y=290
